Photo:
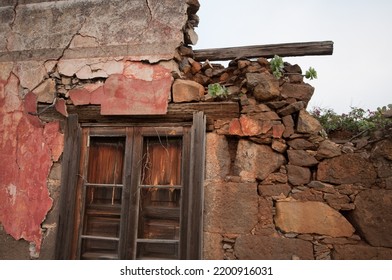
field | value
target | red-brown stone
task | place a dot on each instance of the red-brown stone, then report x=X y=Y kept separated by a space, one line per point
x=298 y=175
x=230 y=207
x=187 y=91
x=277 y=130
x=311 y=217
x=257 y=247
x=265 y=126
x=299 y=91
x=249 y=126
x=235 y=127
x=301 y=158
x=347 y=169
x=256 y=161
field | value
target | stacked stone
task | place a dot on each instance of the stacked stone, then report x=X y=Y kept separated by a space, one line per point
x=276 y=186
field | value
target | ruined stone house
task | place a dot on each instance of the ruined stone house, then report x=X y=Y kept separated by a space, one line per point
x=112 y=148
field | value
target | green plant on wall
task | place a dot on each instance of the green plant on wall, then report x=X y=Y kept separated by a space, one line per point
x=277 y=66
x=218 y=91
x=311 y=74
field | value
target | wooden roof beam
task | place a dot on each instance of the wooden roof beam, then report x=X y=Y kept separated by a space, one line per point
x=266 y=51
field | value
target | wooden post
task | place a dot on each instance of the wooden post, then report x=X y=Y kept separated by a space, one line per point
x=69 y=178
x=196 y=198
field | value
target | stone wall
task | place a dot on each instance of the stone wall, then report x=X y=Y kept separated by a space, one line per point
x=276 y=187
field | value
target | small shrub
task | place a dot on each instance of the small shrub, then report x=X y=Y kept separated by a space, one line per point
x=356 y=121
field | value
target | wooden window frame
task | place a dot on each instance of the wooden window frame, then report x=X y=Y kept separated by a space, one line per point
x=73 y=165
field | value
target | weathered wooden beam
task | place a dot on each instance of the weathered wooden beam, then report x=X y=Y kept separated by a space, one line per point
x=177 y=112
x=266 y=51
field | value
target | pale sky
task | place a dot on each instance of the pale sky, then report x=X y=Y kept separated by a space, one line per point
x=358 y=73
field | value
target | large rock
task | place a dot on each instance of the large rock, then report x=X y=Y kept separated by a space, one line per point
x=301 y=144
x=249 y=126
x=288 y=123
x=274 y=190
x=311 y=217
x=257 y=247
x=308 y=195
x=278 y=146
x=298 y=175
x=373 y=216
x=361 y=252
x=301 y=92
x=301 y=158
x=265 y=86
x=230 y=207
x=347 y=169
x=187 y=91
x=328 y=149
x=291 y=108
x=218 y=157
x=307 y=124
x=257 y=161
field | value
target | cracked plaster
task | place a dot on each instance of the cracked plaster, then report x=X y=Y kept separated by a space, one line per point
x=24 y=196
x=85 y=28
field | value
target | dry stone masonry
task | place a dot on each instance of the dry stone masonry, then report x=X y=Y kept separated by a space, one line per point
x=316 y=199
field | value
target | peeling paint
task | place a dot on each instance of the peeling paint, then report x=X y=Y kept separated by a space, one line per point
x=141 y=89
x=61 y=107
x=27 y=151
